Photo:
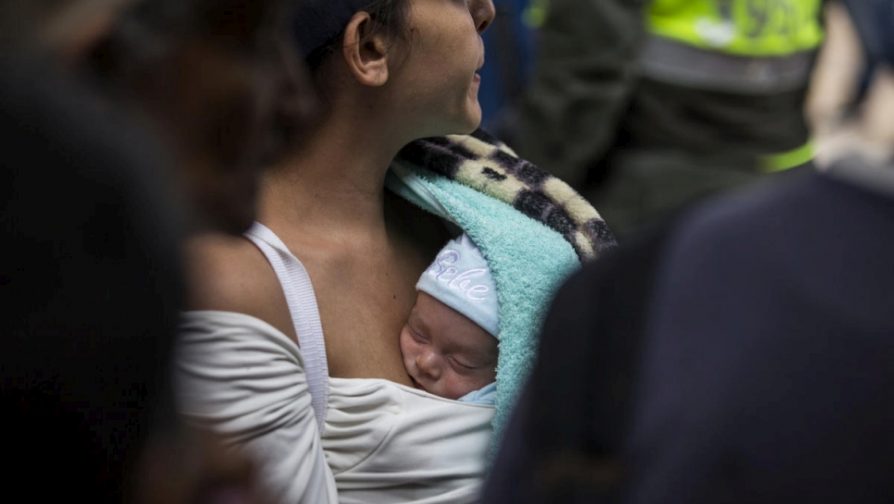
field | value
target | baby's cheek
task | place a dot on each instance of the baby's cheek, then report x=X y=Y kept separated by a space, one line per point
x=460 y=385
x=482 y=379
x=406 y=344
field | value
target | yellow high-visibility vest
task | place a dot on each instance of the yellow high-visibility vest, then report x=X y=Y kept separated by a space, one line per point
x=755 y=28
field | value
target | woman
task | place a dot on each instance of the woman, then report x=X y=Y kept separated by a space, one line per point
x=390 y=72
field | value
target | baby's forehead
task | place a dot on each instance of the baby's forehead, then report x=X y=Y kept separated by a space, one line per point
x=428 y=308
x=437 y=319
x=427 y=304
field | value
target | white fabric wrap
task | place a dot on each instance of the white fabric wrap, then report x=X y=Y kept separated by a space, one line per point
x=245 y=380
x=381 y=442
x=384 y=442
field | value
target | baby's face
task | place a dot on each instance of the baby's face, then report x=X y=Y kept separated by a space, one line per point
x=444 y=352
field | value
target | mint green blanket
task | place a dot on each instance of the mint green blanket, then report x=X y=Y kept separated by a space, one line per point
x=528 y=261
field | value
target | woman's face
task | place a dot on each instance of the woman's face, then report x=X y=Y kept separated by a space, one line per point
x=437 y=79
x=444 y=352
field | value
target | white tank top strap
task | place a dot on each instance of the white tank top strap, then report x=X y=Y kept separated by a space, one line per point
x=302 y=302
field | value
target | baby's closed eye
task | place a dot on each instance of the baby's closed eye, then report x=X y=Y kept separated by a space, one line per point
x=419 y=336
x=470 y=364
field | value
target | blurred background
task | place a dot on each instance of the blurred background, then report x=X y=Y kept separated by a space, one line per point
x=583 y=89
x=851 y=90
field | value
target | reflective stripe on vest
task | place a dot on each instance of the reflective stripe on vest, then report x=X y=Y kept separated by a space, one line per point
x=740 y=27
x=787 y=160
x=667 y=60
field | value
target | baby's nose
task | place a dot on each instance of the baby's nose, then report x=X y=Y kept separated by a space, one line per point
x=427 y=362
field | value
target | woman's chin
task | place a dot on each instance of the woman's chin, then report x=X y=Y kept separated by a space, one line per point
x=467 y=123
x=468 y=117
x=475 y=118
x=471 y=122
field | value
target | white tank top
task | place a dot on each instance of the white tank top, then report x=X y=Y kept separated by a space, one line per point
x=381 y=442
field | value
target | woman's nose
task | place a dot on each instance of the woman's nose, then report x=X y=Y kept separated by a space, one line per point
x=483 y=12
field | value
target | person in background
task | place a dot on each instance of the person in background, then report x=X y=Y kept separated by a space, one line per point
x=90 y=287
x=739 y=354
x=213 y=81
x=646 y=106
x=94 y=210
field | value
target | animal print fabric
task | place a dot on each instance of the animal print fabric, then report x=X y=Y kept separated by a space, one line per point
x=485 y=164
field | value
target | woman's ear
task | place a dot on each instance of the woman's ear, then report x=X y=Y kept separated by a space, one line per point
x=365 y=52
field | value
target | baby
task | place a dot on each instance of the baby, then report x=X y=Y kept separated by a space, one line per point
x=449 y=343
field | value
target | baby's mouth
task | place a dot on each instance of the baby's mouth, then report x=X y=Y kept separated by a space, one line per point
x=416 y=383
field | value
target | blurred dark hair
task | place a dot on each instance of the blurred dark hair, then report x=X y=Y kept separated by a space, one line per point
x=137 y=55
x=23 y=23
x=140 y=60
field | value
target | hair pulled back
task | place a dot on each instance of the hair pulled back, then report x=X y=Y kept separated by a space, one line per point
x=389 y=17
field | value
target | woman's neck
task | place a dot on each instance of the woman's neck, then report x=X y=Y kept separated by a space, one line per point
x=334 y=184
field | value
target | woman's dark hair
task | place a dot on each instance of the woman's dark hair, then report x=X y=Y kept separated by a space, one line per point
x=144 y=38
x=390 y=17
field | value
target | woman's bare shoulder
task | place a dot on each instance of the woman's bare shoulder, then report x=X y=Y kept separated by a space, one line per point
x=228 y=273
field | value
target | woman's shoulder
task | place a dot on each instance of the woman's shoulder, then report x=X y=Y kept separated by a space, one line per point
x=229 y=274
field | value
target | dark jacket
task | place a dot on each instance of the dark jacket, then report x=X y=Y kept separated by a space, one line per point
x=89 y=285
x=743 y=356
